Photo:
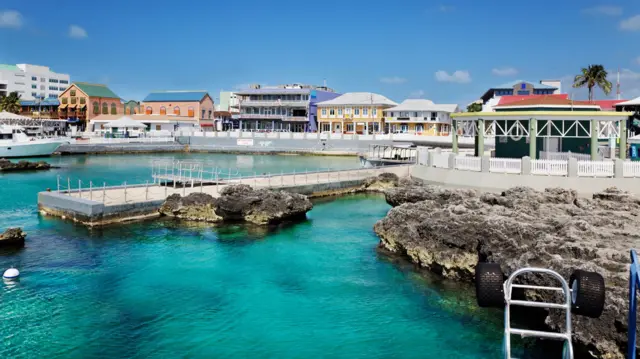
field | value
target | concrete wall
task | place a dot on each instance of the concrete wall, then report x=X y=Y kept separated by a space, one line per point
x=265 y=144
x=499 y=181
x=120 y=148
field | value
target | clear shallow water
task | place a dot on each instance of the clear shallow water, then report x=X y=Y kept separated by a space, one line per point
x=164 y=289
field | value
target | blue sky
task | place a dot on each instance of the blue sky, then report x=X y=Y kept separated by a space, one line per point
x=446 y=51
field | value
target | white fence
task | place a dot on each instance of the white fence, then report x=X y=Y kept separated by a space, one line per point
x=505 y=165
x=595 y=169
x=468 y=163
x=550 y=167
x=631 y=169
x=563 y=156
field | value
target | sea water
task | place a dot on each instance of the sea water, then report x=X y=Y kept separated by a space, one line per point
x=167 y=289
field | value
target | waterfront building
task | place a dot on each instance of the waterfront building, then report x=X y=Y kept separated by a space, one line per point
x=354 y=112
x=47 y=108
x=228 y=102
x=32 y=82
x=157 y=125
x=492 y=96
x=420 y=117
x=131 y=107
x=285 y=107
x=83 y=101
x=196 y=105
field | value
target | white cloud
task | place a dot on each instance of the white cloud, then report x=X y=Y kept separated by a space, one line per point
x=458 y=76
x=10 y=18
x=393 y=80
x=603 y=10
x=504 y=71
x=417 y=94
x=446 y=8
x=631 y=24
x=76 y=32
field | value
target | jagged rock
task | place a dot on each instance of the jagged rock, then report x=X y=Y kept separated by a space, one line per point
x=381 y=182
x=238 y=203
x=8 y=166
x=12 y=237
x=194 y=207
x=449 y=230
x=263 y=206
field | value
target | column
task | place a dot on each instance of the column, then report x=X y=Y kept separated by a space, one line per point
x=240 y=125
x=623 y=139
x=256 y=125
x=342 y=126
x=594 y=140
x=454 y=135
x=480 y=138
x=533 y=136
x=273 y=125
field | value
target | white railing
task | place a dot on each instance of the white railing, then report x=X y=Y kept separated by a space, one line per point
x=549 y=167
x=468 y=163
x=596 y=169
x=101 y=140
x=563 y=156
x=631 y=169
x=505 y=165
x=441 y=160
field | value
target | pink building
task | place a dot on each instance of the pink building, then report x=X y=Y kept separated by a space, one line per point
x=194 y=104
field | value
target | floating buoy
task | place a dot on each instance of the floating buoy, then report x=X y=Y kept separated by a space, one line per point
x=11 y=273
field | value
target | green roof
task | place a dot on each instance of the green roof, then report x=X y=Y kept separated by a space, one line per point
x=95 y=90
x=9 y=67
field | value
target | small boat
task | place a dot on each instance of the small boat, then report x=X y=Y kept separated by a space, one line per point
x=14 y=142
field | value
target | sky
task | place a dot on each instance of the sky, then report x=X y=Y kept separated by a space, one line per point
x=446 y=51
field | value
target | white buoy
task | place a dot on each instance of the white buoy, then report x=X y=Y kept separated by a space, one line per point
x=11 y=273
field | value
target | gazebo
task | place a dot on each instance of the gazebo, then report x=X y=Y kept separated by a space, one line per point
x=515 y=131
x=125 y=122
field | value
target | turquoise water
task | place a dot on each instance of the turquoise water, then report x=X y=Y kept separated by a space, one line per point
x=163 y=289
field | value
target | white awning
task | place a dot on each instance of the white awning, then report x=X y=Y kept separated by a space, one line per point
x=634 y=102
x=125 y=122
x=4 y=115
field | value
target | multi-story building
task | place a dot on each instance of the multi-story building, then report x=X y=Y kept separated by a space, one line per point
x=228 y=102
x=492 y=96
x=47 y=108
x=197 y=105
x=82 y=102
x=285 y=107
x=354 y=112
x=32 y=82
x=420 y=117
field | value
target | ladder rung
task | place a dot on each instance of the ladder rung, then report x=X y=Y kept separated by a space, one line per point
x=526 y=303
x=538 y=334
x=537 y=287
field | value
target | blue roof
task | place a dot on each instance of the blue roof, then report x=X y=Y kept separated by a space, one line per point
x=513 y=83
x=47 y=102
x=178 y=96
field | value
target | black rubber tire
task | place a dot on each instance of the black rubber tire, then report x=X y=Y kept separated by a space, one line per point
x=587 y=297
x=489 y=285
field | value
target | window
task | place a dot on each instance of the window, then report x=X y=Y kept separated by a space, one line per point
x=83 y=100
x=332 y=112
x=53 y=81
x=65 y=100
x=210 y=114
x=53 y=88
x=356 y=111
x=127 y=111
x=53 y=96
x=34 y=86
x=324 y=112
x=349 y=127
x=73 y=93
x=203 y=112
x=158 y=127
x=148 y=110
x=34 y=94
x=105 y=109
x=339 y=112
x=523 y=93
x=523 y=86
x=64 y=81
x=176 y=110
x=114 y=109
x=96 y=108
x=347 y=110
x=163 y=110
x=33 y=78
x=375 y=112
x=365 y=111
x=74 y=100
x=190 y=112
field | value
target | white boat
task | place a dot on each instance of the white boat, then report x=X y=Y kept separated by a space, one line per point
x=14 y=142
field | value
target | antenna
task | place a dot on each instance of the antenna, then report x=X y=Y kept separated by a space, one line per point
x=325 y=82
x=618 y=85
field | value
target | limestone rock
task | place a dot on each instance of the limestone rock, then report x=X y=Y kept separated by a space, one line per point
x=194 y=207
x=8 y=166
x=12 y=237
x=449 y=230
x=381 y=182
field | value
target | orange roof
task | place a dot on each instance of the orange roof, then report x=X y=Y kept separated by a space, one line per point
x=546 y=100
x=513 y=98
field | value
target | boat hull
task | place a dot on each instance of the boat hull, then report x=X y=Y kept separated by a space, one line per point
x=29 y=149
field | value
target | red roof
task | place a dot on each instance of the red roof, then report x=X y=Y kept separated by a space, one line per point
x=608 y=105
x=546 y=100
x=513 y=98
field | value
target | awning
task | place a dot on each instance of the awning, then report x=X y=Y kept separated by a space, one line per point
x=72 y=106
x=82 y=106
x=63 y=106
x=73 y=120
x=206 y=125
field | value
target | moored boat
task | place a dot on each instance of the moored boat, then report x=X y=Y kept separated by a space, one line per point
x=14 y=142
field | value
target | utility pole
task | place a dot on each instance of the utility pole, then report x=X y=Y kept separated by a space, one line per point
x=618 y=85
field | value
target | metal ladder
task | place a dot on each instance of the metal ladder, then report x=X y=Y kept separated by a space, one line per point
x=508 y=330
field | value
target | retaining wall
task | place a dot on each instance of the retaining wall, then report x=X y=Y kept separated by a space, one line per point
x=120 y=148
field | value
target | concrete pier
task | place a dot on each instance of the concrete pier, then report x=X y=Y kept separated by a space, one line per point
x=106 y=205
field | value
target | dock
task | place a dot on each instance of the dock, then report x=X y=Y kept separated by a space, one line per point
x=94 y=205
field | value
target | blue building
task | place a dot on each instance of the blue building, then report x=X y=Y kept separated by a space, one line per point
x=286 y=107
x=522 y=88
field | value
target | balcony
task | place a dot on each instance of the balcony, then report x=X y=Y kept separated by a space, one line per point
x=253 y=116
x=416 y=119
x=260 y=103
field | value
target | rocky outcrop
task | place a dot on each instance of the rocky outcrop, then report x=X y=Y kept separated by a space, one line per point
x=8 y=166
x=12 y=237
x=448 y=231
x=238 y=203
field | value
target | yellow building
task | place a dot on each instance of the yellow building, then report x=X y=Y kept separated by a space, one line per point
x=354 y=112
x=420 y=117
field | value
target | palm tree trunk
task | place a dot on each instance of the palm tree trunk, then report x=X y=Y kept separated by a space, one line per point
x=590 y=93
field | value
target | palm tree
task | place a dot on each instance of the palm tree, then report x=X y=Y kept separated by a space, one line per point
x=11 y=103
x=592 y=76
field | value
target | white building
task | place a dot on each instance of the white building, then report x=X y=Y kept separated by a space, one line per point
x=32 y=81
x=228 y=102
x=420 y=117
